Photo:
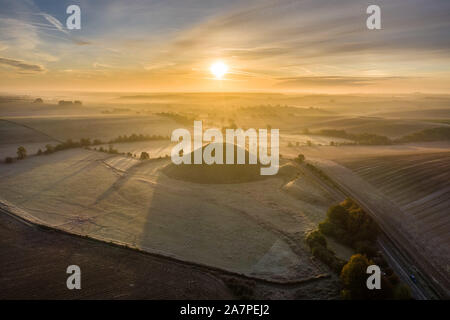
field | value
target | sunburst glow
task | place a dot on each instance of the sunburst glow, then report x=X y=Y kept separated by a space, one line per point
x=218 y=69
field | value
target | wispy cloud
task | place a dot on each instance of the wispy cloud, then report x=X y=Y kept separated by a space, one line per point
x=60 y=27
x=55 y=22
x=331 y=81
x=291 y=43
x=18 y=34
x=21 y=65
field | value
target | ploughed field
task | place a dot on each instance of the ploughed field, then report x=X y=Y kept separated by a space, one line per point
x=255 y=228
x=420 y=185
x=34 y=262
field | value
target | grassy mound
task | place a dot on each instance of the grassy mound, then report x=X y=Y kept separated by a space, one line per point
x=216 y=173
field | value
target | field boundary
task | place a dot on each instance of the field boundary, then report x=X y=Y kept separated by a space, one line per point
x=31 y=128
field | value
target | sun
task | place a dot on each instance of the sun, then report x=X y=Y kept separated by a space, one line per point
x=218 y=69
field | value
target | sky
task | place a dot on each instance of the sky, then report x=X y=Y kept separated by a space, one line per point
x=318 y=46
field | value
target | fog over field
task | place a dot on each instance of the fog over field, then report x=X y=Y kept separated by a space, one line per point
x=256 y=228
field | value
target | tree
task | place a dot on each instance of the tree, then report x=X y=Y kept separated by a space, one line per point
x=97 y=142
x=402 y=292
x=49 y=149
x=112 y=150
x=21 y=153
x=338 y=215
x=85 y=142
x=366 y=247
x=315 y=238
x=144 y=156
x=354 y=276
x=300 y=158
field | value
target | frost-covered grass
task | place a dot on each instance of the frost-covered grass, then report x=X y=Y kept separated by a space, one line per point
x=253 y=228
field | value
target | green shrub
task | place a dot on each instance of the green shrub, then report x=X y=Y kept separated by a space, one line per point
x=318 y=245
x=354 y=276
x=316 y=238
x=49 y=149
x=136 y=137
x=393 y=279
x=300 y=158
x=349 y=224
x=338 y=215
x=338 y=264
x=97 y=142
x=9 y=160
x=432 y=134
x=366 y=247
x=144 y=156
x=112 y=150
x=362 y=138
x=402 y=292
x=21 y=153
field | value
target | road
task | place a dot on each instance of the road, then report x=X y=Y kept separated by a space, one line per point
x=400 y=266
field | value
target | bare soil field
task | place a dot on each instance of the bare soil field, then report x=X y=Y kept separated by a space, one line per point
x=34 y=263
x=38 y=259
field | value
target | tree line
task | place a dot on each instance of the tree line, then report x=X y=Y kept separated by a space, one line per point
x=87 y=143
x=350 y=225
x=431 y=134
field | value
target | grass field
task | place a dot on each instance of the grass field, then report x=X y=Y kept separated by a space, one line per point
x=127 y=201
x=104 y=128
